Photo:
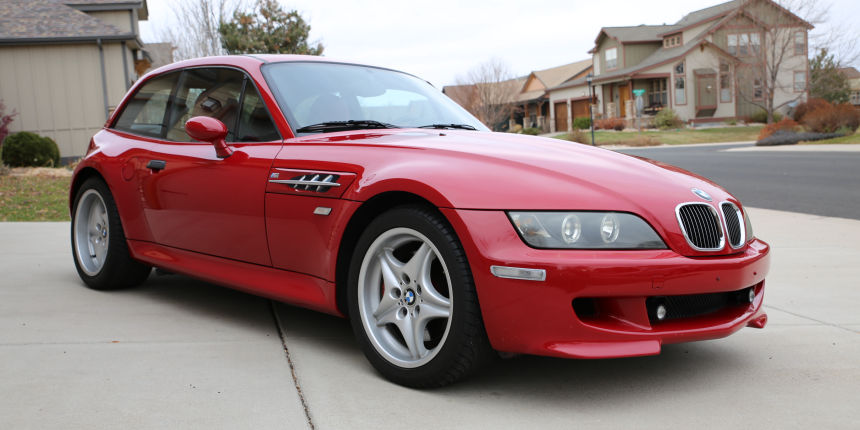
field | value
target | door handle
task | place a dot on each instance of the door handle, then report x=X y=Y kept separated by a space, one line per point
x=156 y=165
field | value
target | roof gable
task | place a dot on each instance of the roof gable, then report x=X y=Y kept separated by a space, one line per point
x=52 y=20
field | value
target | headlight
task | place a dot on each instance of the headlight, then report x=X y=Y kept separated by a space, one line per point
x=748 y=227
x=585 y=230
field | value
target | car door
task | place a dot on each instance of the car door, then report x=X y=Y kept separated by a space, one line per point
x=194 y=200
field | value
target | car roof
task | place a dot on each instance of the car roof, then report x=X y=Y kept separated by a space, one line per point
x=250 y=60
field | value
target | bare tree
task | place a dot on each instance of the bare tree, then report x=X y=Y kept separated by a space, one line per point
x=487 y=92
x=196 y=34
x=770 y=56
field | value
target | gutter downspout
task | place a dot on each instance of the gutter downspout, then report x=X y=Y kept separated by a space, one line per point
x=104 y=78
x=125 y=65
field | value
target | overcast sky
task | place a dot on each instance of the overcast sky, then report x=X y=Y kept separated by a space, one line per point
x=442 y=39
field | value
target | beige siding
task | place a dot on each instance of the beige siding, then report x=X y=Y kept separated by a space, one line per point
x=635 y=53
x=121 y=19
x=57 y=90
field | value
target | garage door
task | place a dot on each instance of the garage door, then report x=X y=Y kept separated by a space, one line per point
x=561 y=116
x=580 y=108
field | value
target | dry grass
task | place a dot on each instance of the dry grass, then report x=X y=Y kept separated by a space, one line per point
x=34 y=194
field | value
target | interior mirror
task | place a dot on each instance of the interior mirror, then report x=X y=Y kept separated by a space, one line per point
x=207 y=129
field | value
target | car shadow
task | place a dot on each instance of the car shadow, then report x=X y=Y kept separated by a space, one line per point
x=678 y=369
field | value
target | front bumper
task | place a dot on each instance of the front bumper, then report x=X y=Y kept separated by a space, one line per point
x=538 y=317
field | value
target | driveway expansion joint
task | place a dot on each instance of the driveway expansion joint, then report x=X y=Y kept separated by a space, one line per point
x=280 y=328
x=812 y=319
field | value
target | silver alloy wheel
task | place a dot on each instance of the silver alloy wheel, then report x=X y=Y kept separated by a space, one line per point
x=405 y=299
x=92 y=232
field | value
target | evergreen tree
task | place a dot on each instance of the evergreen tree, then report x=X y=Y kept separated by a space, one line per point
x=825 y=80
x=267 y=29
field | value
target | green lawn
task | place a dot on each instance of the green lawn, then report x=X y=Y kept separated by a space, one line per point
x=672 y=137
x=34 y=198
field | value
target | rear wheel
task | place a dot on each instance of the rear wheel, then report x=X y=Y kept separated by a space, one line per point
x=98 y=243
x=412 y=300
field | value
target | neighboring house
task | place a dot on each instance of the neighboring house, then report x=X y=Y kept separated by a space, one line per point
x=703 y=66
x=534 y=99
x=527 y=97
x=66 y=64
x=852 y=76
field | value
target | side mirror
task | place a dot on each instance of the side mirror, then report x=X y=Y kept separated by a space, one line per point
x=207 y=129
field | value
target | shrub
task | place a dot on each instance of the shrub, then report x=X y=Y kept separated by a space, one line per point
x=25 y=149
x=812 y=104
x=532 y=131
x=581 y=123
x=610 y=124
x=667 y=118
x=5 y=120
x=785 y=124
x=788 y=137
x=761 y=116
x=577 y=135
x=847 y=116
x=732 y=121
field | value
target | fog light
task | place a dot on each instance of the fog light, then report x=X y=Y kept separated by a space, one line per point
x=752 y=295
x=661 y=312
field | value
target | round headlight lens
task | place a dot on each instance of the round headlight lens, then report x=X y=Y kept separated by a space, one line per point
x=571 y=229
x=609 y=228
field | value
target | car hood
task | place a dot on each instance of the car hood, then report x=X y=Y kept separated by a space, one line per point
x=482 y=170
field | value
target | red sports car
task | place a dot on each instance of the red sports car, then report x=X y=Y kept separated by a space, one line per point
x=364 y=192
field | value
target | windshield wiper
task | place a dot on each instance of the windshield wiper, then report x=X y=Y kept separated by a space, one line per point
x=344 y=126
x=446 y=126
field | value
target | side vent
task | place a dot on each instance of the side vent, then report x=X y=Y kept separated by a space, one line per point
x=307 y=182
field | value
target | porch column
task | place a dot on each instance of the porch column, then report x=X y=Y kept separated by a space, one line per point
x=552 y=115
x=569 y=116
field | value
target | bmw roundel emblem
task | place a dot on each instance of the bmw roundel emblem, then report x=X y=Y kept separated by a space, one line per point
x=702 y=194
x=410 y=297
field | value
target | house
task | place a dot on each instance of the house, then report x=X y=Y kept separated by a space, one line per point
x=852 y=76
x=66 y=64
x=526 y=98
x=533 y=99
x=707 y=67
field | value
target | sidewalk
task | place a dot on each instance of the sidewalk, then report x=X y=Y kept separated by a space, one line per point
x=178 y=353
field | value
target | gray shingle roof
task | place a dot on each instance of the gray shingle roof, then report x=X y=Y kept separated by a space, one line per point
x=639 y=33
x=34 y=20
x=708 y=13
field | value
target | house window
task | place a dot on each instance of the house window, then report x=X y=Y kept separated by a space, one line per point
x=658 y=94
x=680 y=84
x=744 y=43
x=725 y=82
x=755 y=43
x=799 y=81
x=799 y=43
x=855 y=98
x=758 y=89
x=611 y=58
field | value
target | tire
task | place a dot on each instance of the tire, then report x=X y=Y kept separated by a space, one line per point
x=409 y=278
x=98 y=243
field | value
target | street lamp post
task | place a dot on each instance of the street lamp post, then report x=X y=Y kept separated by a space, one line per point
x=588 y=79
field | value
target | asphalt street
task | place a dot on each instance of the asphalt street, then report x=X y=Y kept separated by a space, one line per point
x=816 y=182
x=180 y=353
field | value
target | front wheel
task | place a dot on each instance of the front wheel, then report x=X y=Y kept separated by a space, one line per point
x=412 y=300
x=98 y=242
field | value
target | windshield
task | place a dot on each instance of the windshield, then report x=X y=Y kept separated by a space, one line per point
x=316 y=93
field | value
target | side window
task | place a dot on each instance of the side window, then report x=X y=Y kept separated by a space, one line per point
x=144 y=113
x=212 y=92
x=255 y=125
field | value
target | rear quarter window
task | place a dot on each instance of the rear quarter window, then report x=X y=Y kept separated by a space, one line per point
x=144 y=112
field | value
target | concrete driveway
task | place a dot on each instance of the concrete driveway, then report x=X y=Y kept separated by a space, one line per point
x=179 y=353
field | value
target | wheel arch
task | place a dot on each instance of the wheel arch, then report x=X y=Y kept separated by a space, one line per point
x=360 y=219
x=80 y=177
